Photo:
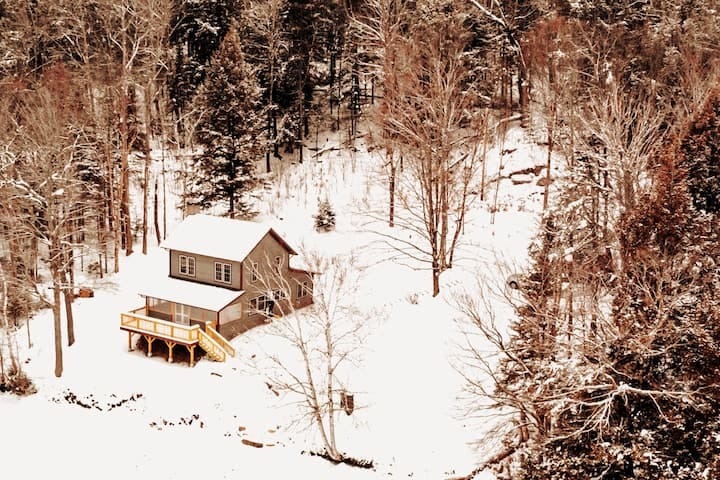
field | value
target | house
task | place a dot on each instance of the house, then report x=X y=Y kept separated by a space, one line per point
x=224 y=276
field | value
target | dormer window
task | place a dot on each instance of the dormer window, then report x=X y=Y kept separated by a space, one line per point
x=223 y=272
x=187 y=265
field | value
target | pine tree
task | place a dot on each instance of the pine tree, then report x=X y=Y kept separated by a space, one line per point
x=641 y=399
x=325 y=218
x=700 y=156
x=229 y=131
x=197 y=29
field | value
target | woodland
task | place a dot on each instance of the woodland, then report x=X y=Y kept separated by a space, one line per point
x=611 y=367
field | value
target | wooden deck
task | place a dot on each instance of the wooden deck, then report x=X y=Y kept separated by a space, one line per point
x=217 y=347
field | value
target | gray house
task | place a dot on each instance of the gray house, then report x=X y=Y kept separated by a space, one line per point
x=224 y=276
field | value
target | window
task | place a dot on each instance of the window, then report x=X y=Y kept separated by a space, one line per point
x=223 y=272
x=304 y=289
x=278 y=263
x=182 y=314
x=279 y=294
x=253 y=271
x=261 y=304
x=187 y=265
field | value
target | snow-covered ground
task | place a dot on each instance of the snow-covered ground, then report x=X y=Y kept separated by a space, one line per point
x=115 y=413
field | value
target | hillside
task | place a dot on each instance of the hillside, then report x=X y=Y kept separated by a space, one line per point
x=118 y=413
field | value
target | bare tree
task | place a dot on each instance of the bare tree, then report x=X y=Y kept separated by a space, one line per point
x=380 y=27
x=265 y=20
x=156 y=15
x=624 y=132
x=428 y=116
x=326 y=336
x=509 y=20
x=39 y=178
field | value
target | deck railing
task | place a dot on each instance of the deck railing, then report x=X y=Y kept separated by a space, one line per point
x=213 y=349
x=159 y=328
x=212 y=333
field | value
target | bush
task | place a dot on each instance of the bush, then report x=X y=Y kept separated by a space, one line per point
x=325 y=218
x=17 y=382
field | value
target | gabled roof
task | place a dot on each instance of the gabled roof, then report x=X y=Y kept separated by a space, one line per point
x=194 y=294
x=220 y=237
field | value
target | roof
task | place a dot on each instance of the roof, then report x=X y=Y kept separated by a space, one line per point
x=194 y=294
x=220 y=237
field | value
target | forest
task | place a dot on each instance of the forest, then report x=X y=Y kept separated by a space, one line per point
x=611 y=367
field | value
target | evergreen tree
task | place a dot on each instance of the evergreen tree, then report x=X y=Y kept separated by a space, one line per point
x=325 y=218
x=700 y=156
x=297 y=82
x=229 y=130
x=197 y=29
x=639 y=399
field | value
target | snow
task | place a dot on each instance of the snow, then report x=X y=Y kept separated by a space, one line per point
x=188 y=293
x=216 y=236
x=178 y=422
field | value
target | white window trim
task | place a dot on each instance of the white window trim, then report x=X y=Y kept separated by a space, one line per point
x=303 y=289
x=224 y=268
x=278 y=263
x=189 y=265
x=256 y=303
x=182 y=314
x=254 y=274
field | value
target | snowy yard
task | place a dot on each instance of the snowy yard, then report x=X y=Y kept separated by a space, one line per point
x=119 y=414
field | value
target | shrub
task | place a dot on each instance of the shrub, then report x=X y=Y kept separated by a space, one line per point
x=325 y=218
x=16 y=381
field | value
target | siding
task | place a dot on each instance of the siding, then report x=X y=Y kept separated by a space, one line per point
x=264 y=255
x=204 y=269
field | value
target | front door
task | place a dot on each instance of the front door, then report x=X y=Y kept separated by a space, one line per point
x=182 y=314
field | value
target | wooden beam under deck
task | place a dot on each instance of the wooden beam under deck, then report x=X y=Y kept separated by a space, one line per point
x=171 y=333
x=149 y=339
x=191 y=349
x=170 y=346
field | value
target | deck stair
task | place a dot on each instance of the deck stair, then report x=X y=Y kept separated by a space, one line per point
x=135 y=322
x=212 y=347
x=222 y=341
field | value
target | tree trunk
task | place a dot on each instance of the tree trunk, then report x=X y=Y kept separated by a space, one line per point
x=484 y=154
x=146 y=172
x=444 y=214
x=551 y=127
x=313 y=401
x=124 y=194
x=268 y=130
x=124 y=185
x=55 y=255
x=156 y=220
x=460 y=222
x=146 y=180
x=114 y=209
x=391 y=207
x=27 y=326
x=5 y=304
x=329 y=347
x=68 y=297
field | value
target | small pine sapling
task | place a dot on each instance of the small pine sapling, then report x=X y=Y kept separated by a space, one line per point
x=325 y=218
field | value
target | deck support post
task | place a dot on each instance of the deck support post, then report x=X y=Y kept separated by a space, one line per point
x=170 y=346
x=191 y=350
x=130 y=347
x=150 y=341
